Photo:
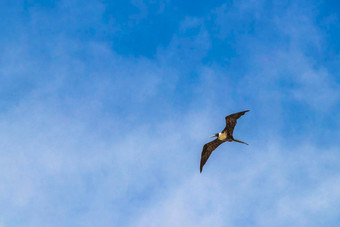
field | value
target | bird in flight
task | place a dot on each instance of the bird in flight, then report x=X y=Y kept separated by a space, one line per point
x=225 y=135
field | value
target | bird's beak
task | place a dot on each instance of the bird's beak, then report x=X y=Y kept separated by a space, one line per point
x=212 y=136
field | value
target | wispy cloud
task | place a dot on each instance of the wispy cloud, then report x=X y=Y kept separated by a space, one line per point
x=93 y=137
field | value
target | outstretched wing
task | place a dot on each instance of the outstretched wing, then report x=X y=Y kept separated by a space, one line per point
x=231 y=120
x=208 y=148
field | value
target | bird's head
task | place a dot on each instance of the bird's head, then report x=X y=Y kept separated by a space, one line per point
x=215 y=135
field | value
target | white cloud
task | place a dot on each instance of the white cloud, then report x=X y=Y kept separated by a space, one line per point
x=78 y=149
x=275 y=187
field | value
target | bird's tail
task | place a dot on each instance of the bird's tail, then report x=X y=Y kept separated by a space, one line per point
x=239 y=141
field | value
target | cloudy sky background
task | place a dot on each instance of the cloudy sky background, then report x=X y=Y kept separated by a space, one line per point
x=105 y=107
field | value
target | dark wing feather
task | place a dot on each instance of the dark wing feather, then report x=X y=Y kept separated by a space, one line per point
x=231 y=120
x=208 y=148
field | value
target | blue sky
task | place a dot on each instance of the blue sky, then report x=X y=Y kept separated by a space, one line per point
x=105 y=107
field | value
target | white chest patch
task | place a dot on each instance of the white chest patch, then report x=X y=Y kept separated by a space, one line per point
x=222 y=136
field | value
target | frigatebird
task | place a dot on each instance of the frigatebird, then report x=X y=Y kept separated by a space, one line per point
x=225 y=135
